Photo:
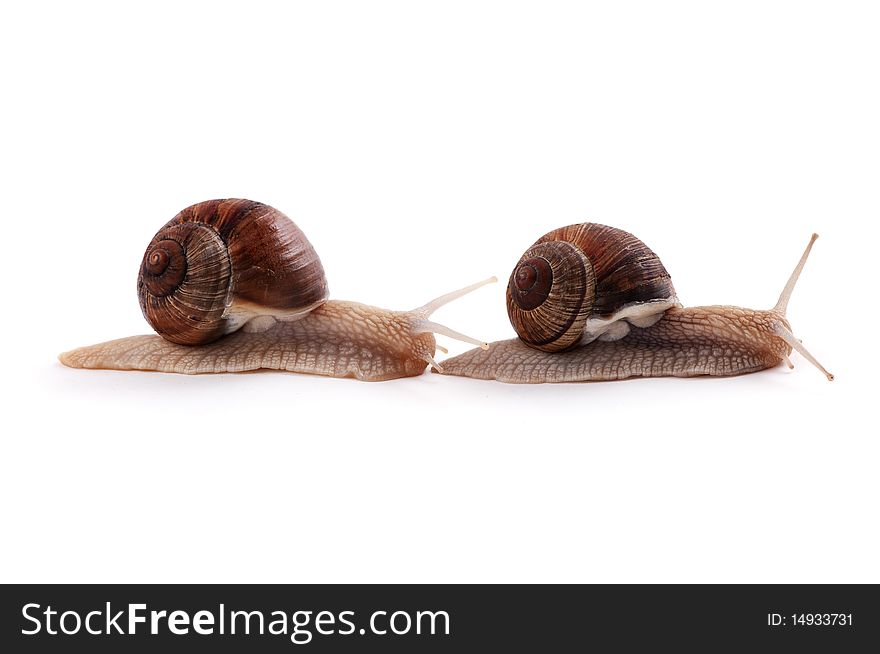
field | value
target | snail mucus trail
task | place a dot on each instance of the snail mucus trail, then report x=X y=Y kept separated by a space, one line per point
x=234 y=285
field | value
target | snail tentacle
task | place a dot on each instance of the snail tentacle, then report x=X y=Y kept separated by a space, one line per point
x=421 y=324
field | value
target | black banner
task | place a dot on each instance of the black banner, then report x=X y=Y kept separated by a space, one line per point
x=438 y=618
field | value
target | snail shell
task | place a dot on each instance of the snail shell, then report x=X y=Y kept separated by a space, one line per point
x=583 y=282
x=219 y=264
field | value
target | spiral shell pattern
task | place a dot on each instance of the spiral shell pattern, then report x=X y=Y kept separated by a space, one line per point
x=549 y=296
x=220 y=253
x=183 y=285
x=579 y=274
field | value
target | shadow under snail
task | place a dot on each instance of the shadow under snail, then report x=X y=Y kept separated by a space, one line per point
x=594 y=303
x=235 y=285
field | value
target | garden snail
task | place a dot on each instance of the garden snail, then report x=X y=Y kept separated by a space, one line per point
x=234 y=285
x=593 y=303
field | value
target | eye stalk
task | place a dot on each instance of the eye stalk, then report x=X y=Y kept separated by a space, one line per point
x=421 y=323
x=781 y=307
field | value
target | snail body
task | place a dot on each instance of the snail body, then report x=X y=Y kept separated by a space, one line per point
x=234 y=286
x=633 y=339
x=336 y=339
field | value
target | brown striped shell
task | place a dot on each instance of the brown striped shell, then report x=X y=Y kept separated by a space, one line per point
x=220 y=263
x=583 y=282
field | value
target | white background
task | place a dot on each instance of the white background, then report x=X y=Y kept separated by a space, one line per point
x=424 y=146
